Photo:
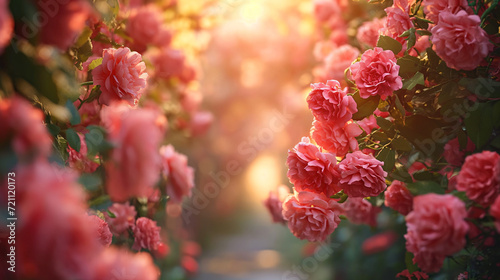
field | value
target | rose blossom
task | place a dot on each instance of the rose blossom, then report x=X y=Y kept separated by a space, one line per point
x=454 y=155
x=63 y=25
x=117 y=264
x=200 y=122
x=361 y=175
x=330 y=103
x=460 y=41
x=379 y=242
x=274 y=203
x=134 y=164
x=339 y=140
x=6 y=24
x=436 y=229
x=311 y=216
x=22 y=124
x=124 y=217
x=122 y=76
x=432 y=8
x=180 y=176
x=168 y=63
x=478 y=177
x=339 y=60
x=79 y=160
x=310 y=169
x=146 y=234
x=495 y=212
x=360 y=211
x=368 y=124
x=398 y=20
x=399 y=198
x=101 y=230
x=144 y=26
x=419 y=275
x=369 y=32
x=376 y=73
x=325 y=9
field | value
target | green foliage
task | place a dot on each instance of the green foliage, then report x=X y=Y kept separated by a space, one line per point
x=73 y=139
x=366 y=107
x=387 y=43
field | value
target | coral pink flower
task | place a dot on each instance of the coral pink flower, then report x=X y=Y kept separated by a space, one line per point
x=495 y=212
x=325 y=9
x=122 y=76
x=310 y=169
x=115 y=264
x=336 y=140
x=452 y=153
x=144 y=26
x=180 y=176
x=399 y=198
x=146 y=234
x=124 y=217
x=64 y=24
x=89 y=112
x=478 y=177
x=322 y=49
x=369 y=32
x=398 y=20
x=274 y=203
x=168 y=63
x=101 y=230
x=368 y=124
x=361 y=175
x=379 y=242
x=79 y=160
x=134 y=164
x=460 y=41
x=200 y=123
x=6 y=25
x=376 y=74
x=330 y=103
x=436 y=229
x=432 y=8
x=311 y=216
x=23 y=126
x=360 y=211
x=54 y=239
x=339 y=60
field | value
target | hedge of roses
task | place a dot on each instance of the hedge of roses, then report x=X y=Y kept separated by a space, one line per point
x=405 y=138
x=91 y=94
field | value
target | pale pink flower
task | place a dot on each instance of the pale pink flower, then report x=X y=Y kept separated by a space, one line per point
x=146 y=234
x=338 y=141
x=495 y=212
x=359 y=211
x=79 y=160
x=399 y=198
x=274 y=203
x=460 y=41
x=398 y=20
x=120 y=264
x=124 y=217
x=322 y=49
x=200 y=123
x=339 y=60
x=101 y=230
x=180 y=176
x=376 y=73
x=134 y=164
x=311 y=170
x=478 y=177
x=432 y=8
x=144 y=26
x=325 y=9
x=369 y=32
x=311 y=216
x=6 y=25
x=436 y=229
x=122 y=76
x=361 y=175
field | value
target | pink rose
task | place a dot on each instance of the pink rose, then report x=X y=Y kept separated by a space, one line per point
x=368 y=124
x=200 y=123
x=101 y=230
x=79 y=160
x=360 y=211
x=436 y=229
x=339 y=60
x=22 y=124
x=311 y=170
x=124 y=217
x=274 y=203
x=325 y=9
x=6 y=25
x=322 y=49
x=53 y=239
x=338 y=141
x=454 y=155
x=379 y=242
x=311 y=216
x=460 y=41
x=146 y=234
x=495 y=212
x=478 y=177
x=122 y=76
x=330 y=103
x=361 y=175
x=398 y=20
x=144 y=26
x=134 y=164
x=432 y=8
x=63 y=26
x=419 y=275
x=168 y=63
x=399 y=198
x=369 y=32
x=115 y=264
x=180 y=177
x=376 y=74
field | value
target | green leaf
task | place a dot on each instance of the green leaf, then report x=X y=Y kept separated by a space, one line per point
x=388 y=156
x=53 y=129
x=73 y=139
x=386 y=125
x=417 y=79
x=83 y=38
x=91 y=182
x=408 y=66
x=424 y=32
x=401 y=174
x=387 y=43
x=424 y=175
x=366 y=107
x=425 y=187
x=111 y=214
x=95 y=63
x=412 y=267
x=479 y=124
x=412 y=39
x=401 y=144
x=75 y=115
x=96 y=140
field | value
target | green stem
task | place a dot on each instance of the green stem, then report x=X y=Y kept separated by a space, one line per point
x=87 y=83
